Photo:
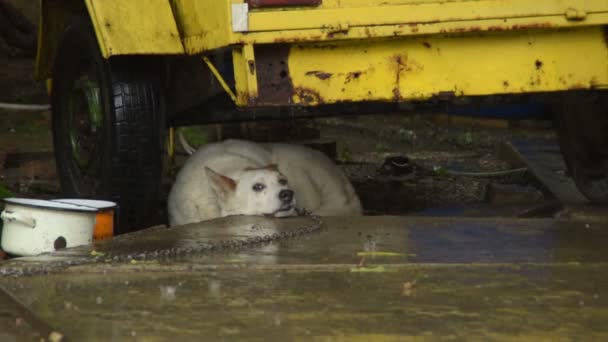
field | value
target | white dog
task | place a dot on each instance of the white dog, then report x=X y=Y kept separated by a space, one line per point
x=238 y=177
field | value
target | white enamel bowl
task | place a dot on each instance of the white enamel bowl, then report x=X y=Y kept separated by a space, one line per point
x=34 y=226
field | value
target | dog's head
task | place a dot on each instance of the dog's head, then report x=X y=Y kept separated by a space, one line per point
x=253 y=191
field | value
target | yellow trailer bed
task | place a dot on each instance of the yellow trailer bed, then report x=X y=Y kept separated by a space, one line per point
x=398 y=50
x=320 y=52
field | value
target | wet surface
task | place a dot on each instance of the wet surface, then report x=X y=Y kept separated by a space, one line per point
x=366 y=278
x=567 y=301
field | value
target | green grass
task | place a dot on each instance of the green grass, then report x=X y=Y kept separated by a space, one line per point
x=195 y=136
x=5 y=192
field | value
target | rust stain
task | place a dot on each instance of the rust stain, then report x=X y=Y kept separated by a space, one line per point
x=400 y=67
x=593 y=83
x=296 y=39
x=538 y=64
x=531 y=26
x=322 y=46
x=308 y=96
x=353 y=75
x=535 y=81
x=578 y=86
x=505 y=84
x=275 y=85
x=466 y=29
x=337 y=32
x=282 y=3
x=495 y=28
x=426 y=45
x=446 y=95
x=319 y=74
x=396 y=94
x=251 y=65
x=404 y=65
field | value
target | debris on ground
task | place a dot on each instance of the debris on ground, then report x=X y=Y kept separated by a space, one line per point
x=502 y=194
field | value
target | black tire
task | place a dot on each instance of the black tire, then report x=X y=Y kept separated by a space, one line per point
x=108 y=125
x=582 y=127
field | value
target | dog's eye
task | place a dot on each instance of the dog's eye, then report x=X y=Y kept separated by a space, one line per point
x=283 y=181
x=258 y=187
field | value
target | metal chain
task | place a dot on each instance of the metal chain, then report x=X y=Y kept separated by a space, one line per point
x=47 y=268
x=202 y=247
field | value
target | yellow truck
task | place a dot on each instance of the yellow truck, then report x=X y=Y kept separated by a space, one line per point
x=121 y=70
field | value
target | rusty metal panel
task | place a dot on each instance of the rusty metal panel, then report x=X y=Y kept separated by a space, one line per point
x=462 y=64
x=208 y=24
x=397 y=13
x=274 y=83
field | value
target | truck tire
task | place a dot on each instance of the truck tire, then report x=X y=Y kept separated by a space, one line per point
x=108 y=125
x=582 y=127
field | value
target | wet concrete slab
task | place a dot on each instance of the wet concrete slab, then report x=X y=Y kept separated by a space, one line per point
x=412 y=239
x=356 y=278
x=566 y=302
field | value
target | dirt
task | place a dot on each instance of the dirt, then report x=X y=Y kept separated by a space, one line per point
x=437 y=151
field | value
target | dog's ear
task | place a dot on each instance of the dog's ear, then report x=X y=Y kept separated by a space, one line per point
x=222 y=185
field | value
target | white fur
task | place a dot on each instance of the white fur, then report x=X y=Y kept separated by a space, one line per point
x=319 y=185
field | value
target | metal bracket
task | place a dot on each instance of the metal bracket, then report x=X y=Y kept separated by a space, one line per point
x=574 y=14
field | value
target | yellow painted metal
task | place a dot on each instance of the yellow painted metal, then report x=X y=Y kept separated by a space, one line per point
x=409 y=30
x=374 y=49
x=134 y=27
x=245 y=76
x=219 y=78
x=329 y=4
x=171 y=143
x=341 y=19
x=206 y=24
x=122 y=27
x=473 y=64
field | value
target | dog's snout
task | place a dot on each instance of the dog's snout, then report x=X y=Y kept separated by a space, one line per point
x=286 y=195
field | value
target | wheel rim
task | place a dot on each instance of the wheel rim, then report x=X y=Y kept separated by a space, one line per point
x=85 y=129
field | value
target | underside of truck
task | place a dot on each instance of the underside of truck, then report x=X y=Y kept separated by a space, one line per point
x=129 y=68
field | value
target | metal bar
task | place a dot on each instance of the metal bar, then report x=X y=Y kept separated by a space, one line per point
x=219 y=77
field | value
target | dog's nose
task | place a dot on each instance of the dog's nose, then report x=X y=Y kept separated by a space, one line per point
x=286 y=195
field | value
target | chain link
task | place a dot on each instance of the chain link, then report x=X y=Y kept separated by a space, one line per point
x=203 y=247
